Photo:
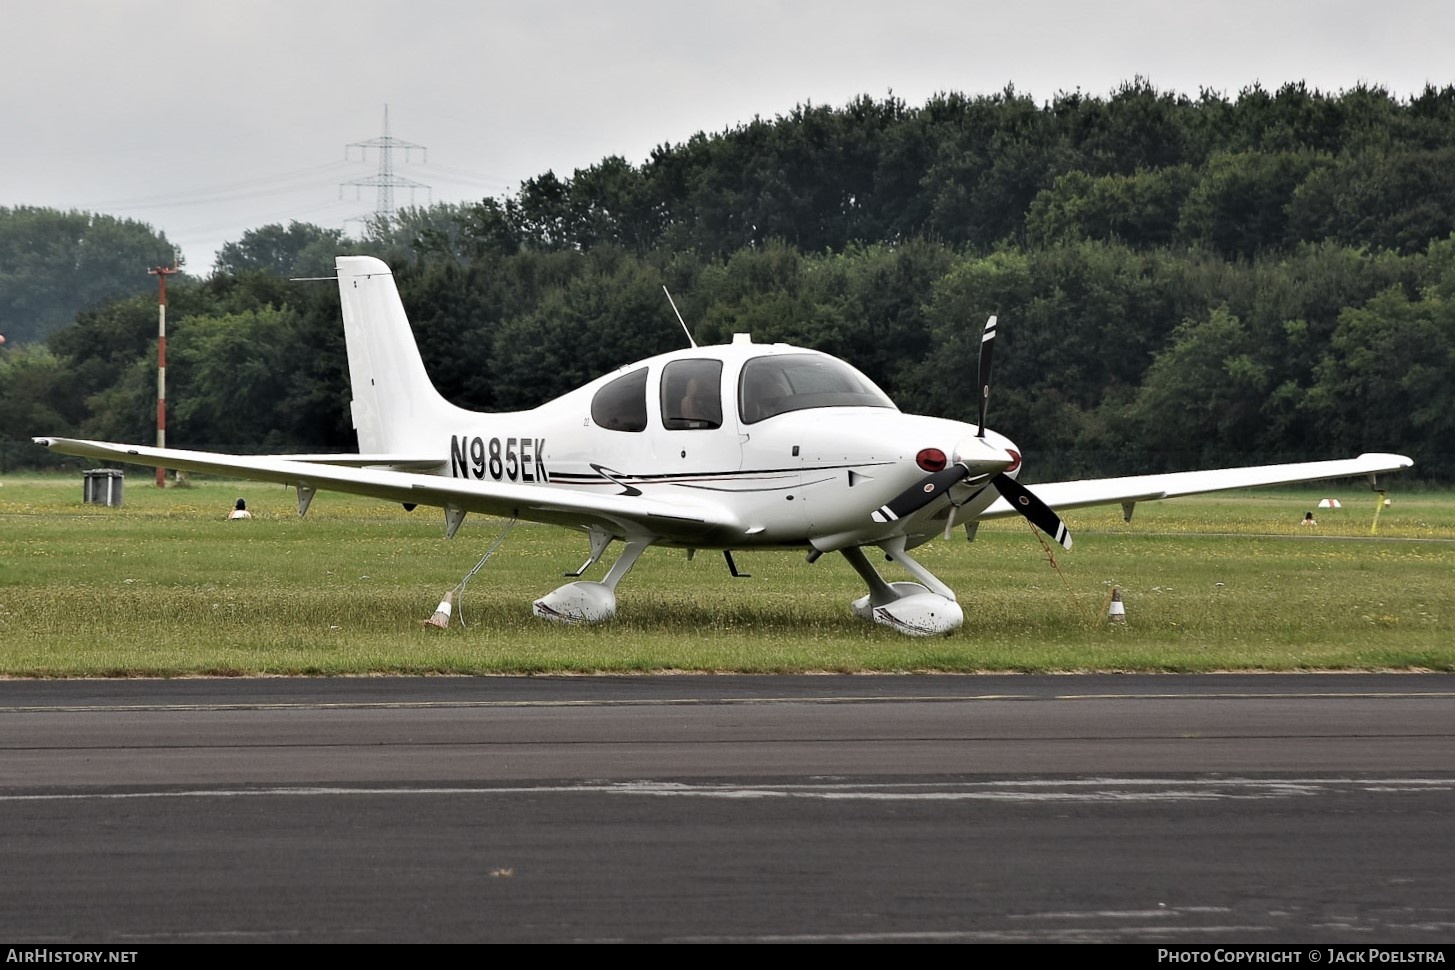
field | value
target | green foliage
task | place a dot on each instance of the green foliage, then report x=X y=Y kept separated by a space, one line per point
x=33 y=395
x=609 y=313
x=441 y=233
x=1399 y=200
x=1202 y=392
x=1240 y=206
x=232 y=379
x=1142 y=208
x=1080 y=324
x=865 y=305
x=299 y=249
x=1384 y=383
x=54 y=264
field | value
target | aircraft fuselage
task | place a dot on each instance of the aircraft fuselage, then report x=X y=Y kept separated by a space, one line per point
x=795 y=474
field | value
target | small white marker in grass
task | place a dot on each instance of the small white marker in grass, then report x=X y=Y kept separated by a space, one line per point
x=1116 y=612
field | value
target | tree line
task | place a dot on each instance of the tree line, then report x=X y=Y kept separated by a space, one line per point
x=1180 y=282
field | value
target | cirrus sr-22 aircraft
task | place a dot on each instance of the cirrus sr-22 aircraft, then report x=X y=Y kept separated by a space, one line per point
x=734 y=447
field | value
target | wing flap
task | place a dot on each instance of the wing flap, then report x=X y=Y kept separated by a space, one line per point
x=398 y=463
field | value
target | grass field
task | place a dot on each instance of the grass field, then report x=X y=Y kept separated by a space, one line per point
x=166 y=586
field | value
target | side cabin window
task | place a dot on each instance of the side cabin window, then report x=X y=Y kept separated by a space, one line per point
x=622 y=404
x=692 y=394
x=794 y=382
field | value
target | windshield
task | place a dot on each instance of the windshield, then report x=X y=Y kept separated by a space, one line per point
x=793 y=382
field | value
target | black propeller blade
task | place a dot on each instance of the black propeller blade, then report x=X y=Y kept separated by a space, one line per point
x=986 y=342
x=920 y=494
x=1039 y=513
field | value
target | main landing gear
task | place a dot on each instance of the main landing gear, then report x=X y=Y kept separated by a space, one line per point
x=923 y=608
x=589 y=602
x=918 y=609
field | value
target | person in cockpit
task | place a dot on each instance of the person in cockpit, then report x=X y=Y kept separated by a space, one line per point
x=698 y=407
x=764 y=388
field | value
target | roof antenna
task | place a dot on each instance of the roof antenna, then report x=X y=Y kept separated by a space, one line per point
x=679 y=316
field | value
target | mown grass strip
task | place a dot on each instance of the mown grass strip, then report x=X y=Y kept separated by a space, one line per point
x=166 y=586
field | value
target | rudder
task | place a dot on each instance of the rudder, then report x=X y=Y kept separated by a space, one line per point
x=393 y=398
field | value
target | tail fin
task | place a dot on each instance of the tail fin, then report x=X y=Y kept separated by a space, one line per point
x=395 y=405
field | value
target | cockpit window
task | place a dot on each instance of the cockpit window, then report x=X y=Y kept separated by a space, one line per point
x=793 y=382
x=622 y=404
x=692 y=394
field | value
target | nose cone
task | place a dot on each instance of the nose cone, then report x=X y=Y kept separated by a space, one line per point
x=988 y=455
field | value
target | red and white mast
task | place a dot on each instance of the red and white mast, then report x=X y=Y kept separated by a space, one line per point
x=161 y=273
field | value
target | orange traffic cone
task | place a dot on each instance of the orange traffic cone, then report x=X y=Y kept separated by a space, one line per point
x=1116 y=612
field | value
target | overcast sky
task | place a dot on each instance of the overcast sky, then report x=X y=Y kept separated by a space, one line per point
x=207 y=119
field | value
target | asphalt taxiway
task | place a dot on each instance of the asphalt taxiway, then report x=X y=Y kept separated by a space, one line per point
x=1249 y=808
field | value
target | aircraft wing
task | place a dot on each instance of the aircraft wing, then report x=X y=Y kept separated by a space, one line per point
x=625 y=515
x=1148 y=488
x=398 y=463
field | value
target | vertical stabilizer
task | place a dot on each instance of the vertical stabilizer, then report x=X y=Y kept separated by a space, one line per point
x=395 y=405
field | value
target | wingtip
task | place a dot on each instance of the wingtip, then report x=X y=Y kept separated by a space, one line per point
x=1393 y=461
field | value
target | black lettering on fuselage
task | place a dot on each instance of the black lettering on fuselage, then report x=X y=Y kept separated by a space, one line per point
x=526 y=473
x=511 y=459
x=458 y=468
x=477 y=457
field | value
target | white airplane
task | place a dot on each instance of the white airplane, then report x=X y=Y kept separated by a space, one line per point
x=734 y=447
